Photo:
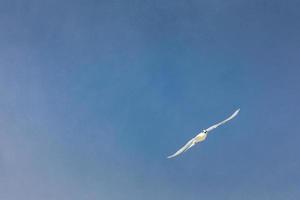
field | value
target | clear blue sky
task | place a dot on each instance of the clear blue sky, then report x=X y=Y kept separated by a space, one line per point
x=95 y=94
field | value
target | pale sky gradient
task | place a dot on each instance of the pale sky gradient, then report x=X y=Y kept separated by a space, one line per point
x=95 y=94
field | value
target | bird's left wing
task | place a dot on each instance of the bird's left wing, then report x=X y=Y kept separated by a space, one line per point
x=188 y=145
x=223 y=122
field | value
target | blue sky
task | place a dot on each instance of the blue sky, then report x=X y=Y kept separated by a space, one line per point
x=95 y=94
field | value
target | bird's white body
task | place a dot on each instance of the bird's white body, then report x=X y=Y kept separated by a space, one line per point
x=202 y=136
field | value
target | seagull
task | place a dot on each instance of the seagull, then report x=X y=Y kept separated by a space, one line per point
x=202 y=135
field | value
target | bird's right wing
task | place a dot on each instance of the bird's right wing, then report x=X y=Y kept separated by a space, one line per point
x=223 y=122
x=188 y=145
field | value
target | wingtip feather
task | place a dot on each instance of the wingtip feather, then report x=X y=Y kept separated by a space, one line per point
x=170 y=156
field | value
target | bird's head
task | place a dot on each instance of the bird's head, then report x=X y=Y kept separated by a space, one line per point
x=204 y=131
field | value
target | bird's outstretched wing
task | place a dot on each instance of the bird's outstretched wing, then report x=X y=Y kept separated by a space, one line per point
x=188 y=145
x=223 y=122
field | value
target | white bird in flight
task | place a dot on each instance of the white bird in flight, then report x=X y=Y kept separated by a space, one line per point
x=202 y=136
